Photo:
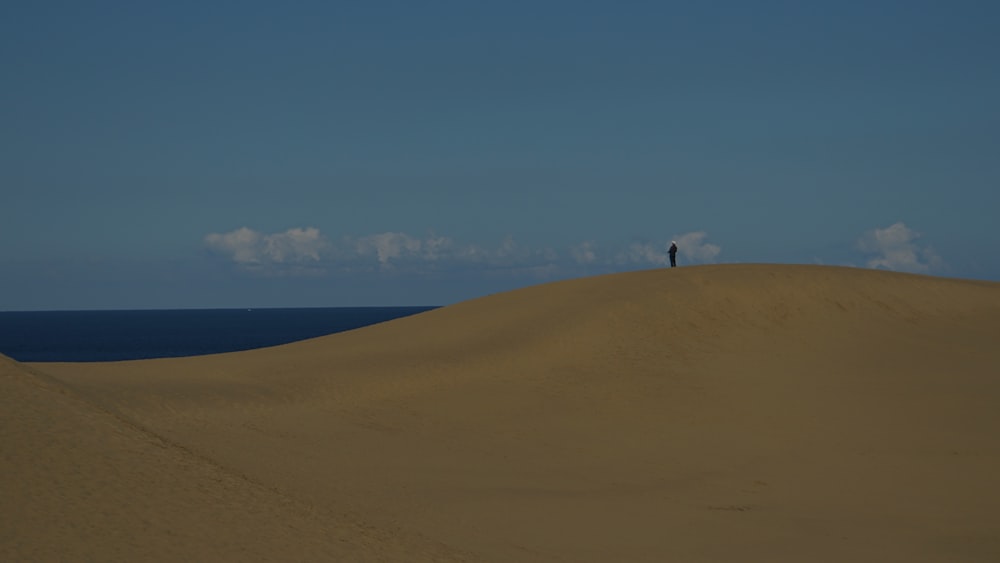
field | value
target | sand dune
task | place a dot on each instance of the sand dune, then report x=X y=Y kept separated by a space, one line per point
x=81 y=484
x=715 y=413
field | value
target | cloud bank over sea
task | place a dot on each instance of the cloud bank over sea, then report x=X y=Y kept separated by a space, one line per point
x=895 y=248
x=307 y=249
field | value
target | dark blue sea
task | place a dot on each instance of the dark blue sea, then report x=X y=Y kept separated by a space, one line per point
x=98 y=336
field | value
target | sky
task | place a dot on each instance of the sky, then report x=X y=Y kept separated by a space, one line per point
x=181 y=154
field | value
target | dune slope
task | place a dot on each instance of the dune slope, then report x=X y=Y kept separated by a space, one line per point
x=737 y=412
x=81 y=484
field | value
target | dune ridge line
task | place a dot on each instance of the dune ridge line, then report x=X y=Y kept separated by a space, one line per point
x=731 y=412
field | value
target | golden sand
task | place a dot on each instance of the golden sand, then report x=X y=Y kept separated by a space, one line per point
x=713 y=413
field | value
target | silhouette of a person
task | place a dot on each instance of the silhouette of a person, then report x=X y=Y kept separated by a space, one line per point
x=673 y=253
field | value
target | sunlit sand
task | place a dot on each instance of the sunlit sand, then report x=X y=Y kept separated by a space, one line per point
x=712 y=413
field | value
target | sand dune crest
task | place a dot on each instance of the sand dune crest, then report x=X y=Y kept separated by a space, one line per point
x=739 y=412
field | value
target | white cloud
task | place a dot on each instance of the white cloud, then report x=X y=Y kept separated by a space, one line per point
x=243 y=244
x=654 y=253
x=693 y=248
x=583 y=253
x=508 y=247
x=511 y=254
x=437 y=248
x=894 y=249
x=306 y=250
x=295 y=245
x=388 y=246
x=248 y=247
x=392 y=250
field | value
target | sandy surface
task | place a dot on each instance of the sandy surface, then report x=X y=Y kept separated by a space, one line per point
x=714 y=413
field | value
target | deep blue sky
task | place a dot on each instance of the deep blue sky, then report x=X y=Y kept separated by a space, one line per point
x=247 y=153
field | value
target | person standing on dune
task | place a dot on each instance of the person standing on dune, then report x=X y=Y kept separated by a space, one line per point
x=673 y=253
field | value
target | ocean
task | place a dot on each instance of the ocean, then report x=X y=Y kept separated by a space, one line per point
x=100 y=336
